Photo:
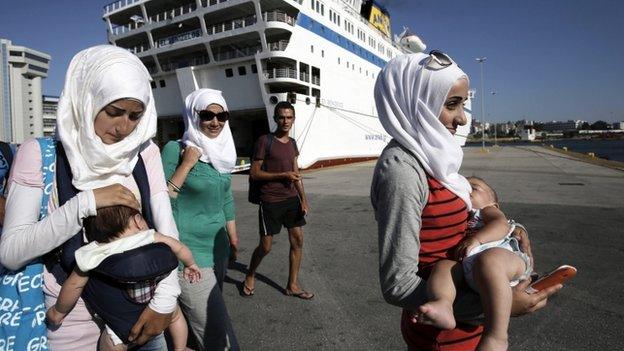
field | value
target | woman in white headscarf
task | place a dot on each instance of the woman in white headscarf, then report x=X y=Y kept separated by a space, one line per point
x=105 y=122
x=420 y=199
x=198 y=171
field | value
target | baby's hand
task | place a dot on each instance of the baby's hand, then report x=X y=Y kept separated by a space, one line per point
x=192 y=273
x=54 y=318
x=464 y=246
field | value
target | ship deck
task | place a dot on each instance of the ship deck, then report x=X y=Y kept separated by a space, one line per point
x=573 y=211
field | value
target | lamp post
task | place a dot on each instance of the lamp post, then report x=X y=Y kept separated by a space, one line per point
x=495 y=123
x=481 y=60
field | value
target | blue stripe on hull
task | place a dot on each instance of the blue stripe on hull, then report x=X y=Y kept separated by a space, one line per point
x=315 y=27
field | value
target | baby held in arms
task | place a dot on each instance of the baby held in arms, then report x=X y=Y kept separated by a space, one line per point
x=115 y=230
x=491 y=262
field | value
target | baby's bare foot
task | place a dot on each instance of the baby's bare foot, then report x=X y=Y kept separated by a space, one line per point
x=436 y=313
x=492 y=343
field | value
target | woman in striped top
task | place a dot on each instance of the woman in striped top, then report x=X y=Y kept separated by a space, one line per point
x=421 y=202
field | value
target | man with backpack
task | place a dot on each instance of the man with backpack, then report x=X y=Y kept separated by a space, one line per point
x=276 y=185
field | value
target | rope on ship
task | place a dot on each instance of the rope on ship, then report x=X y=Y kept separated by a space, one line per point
x=306 y=130
x=363 y=127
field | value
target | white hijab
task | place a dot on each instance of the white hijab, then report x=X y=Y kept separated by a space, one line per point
x=219 y=151
x=96 y=77
x=409 y=100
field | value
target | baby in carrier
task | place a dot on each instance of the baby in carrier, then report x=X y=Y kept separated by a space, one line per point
x=115 y=230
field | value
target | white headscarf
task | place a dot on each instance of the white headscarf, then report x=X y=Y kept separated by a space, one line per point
x=96 y=77
x=219 y=151
x=409 y=101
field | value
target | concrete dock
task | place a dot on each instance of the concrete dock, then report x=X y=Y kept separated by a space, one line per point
x=574 y=212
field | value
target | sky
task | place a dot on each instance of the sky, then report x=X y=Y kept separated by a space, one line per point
x=546 y=59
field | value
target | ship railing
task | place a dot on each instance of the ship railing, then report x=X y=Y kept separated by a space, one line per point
x=193 y=34
x=138 y=49
x=236 y=23
x=116 y=5
x=279 y=45
x=316 y=80
x=211 y=2
x=194 y=61
x=280 y=73
x=279 y=16
x=117 y=30
x=173 y=13
x=152 y=69
x=232 y=54
x=304 y=76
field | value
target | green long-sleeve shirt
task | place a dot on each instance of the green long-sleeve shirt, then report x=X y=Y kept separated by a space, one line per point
x=202 y=208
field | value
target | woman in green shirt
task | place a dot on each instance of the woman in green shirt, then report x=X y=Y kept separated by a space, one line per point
x=198 y=170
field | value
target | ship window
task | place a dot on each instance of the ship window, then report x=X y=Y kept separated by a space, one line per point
x=162 y=83
x=339 y=60
x=322 y=9
x=347 y=64
x=153 y=84
x=312 y=48
x=242 y=70
x=229 y=72
x=254 y=68
x=322 y=53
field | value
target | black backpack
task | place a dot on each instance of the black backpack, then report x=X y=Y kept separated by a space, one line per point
x=253 y=195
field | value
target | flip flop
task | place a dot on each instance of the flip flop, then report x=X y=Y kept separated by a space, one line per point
x=302 y=294
x=247 y=291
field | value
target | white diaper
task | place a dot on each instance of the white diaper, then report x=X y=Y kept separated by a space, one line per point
x=509 y=243
x=116 y=340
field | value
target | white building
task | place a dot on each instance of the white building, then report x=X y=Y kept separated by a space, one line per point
x=527 y=133
x=558 y=126
x=618 y=125
x=21 y=71
x=50 y=105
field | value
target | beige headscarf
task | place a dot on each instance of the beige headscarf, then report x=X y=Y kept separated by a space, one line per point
x=96 y=77
x=409 y=100
x=219 y=151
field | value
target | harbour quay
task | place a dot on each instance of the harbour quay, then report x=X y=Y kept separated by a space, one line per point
x=572 y=209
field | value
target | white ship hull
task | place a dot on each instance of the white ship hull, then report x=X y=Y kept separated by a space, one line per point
x=325 y=59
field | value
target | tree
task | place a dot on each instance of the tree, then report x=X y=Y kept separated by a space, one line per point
x=585 y=126
x=600 y=125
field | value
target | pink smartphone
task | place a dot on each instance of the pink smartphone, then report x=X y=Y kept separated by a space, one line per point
x=558 y=276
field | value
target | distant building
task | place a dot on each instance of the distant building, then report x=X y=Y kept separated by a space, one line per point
x=618 y=125
x=527 y=133
x=50 y=105
x=21 y=103
x=556 y=126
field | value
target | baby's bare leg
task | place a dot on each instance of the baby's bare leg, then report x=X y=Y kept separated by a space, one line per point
x=106 y=343
x=178 y=330
x=493 y=270
x=441 y=288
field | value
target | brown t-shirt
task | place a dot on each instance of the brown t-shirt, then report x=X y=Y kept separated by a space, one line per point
x=280 y=159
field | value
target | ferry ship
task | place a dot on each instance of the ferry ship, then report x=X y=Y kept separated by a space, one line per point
x=322 y=56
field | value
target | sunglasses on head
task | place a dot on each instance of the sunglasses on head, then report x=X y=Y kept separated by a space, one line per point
x=438 y=60
x=206 y=115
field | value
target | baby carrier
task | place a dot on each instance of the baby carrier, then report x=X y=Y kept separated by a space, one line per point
x=119 y=289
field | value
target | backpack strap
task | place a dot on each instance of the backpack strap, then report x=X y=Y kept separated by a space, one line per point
x=267 y=149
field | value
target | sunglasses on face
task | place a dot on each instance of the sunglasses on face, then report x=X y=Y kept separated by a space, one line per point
x=438 y=60
x=206 y=115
